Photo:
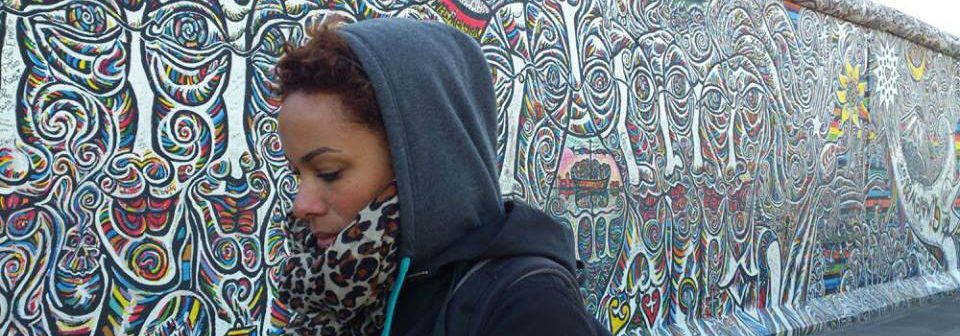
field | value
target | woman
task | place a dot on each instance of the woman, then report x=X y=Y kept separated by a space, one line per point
x=401 y=229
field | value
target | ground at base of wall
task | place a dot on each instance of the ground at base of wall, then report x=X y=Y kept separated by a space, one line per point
x=939 y=317
x=836 y=312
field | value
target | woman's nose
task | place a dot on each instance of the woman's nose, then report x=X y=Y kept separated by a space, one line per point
x=309 y=202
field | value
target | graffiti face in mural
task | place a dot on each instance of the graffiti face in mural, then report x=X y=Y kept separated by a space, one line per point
x=661 y=85
x=554 y=67
x=555 y=61
x=132 y=100
x=733 y=108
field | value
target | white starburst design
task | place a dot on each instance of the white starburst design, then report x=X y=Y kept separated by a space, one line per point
x=887 y=75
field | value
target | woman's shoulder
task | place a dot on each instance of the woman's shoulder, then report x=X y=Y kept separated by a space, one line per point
x=541 y=304
x=527 y=295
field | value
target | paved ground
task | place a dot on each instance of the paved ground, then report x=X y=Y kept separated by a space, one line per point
x=940 y=317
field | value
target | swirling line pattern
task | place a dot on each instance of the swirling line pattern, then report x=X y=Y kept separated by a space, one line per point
x=727 y=166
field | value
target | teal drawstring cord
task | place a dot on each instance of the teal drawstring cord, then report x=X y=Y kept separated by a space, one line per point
x=395 y=294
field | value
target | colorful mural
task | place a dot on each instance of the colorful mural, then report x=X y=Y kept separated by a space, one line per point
x=722 y=163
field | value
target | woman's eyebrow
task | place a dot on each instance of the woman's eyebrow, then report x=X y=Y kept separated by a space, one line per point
x=316 y=152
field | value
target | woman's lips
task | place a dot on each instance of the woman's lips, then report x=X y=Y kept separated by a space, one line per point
x=324 y=240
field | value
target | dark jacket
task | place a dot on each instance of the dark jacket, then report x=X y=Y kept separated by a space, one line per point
x=436 y=98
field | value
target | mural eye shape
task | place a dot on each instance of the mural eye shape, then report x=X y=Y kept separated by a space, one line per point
x=752 y=98
x=188 y=29
x=643 y=87
x=552 y=83
x=677 y=85
x=713 y=99
x=599 y=80
x=87 y=17
x=187 y=26
x=555 y=78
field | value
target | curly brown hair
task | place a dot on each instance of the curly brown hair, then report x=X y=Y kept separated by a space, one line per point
x=326 y=64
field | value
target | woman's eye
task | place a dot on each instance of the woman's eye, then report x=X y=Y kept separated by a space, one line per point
x=329 y=177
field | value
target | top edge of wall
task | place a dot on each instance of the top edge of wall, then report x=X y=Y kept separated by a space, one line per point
x=879 y=17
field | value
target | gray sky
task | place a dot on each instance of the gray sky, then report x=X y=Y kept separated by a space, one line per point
x=944 y=14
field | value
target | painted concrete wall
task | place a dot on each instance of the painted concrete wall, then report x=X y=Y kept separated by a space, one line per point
x=728 y=166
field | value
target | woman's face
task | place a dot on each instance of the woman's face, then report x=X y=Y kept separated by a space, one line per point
x=342 y=165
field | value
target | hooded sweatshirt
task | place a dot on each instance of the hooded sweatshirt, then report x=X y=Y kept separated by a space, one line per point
x=436 y=98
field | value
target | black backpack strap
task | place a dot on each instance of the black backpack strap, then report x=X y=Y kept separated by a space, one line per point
x=475 y=292
x=460 y=276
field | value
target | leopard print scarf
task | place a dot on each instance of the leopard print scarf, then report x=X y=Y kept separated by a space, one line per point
x=343 y=290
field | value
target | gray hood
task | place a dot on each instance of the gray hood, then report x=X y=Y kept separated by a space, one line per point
x=436 y=97
x=438 y=110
